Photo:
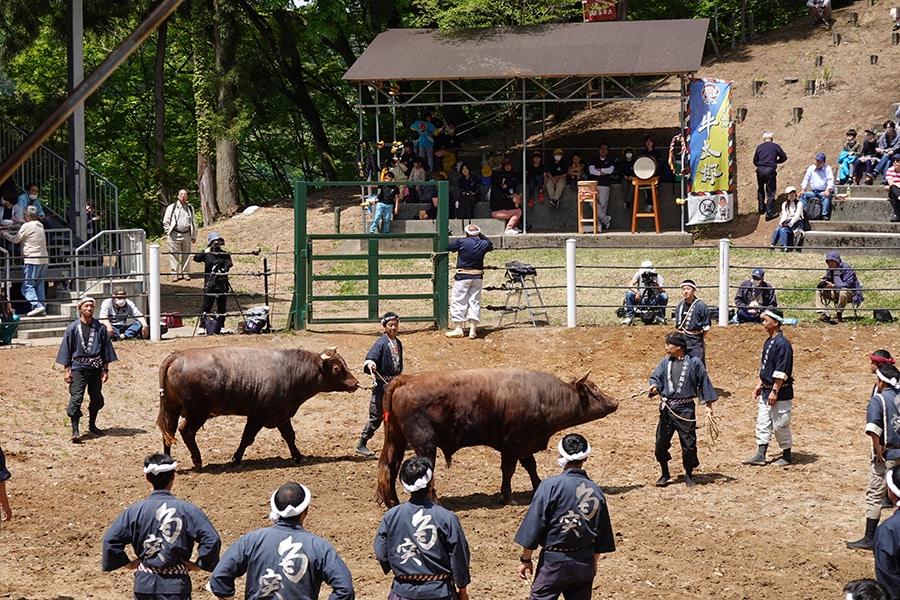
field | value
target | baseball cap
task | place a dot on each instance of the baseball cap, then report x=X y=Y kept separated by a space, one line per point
x=789 y=189
x=505 y=161
x=895 y=158
x=558 y=151
x=820 y=156
x=768 y=135
x=757 y=273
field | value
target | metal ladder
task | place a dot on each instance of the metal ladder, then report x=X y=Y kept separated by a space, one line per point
x=516 y=285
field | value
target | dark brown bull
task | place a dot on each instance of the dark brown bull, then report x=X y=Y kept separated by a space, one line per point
x=514 y=411
x=266 y=386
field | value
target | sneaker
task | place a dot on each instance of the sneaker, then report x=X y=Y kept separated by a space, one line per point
x=648 y=208
x=36 y=311
x=895 y=219
x=895 y=27
x=607 y=222
x=531 y=202
x=826 y=319
x=541 y=197
x=554 y=202
x=511 y=231
x=628 y=320
x=826 y=217
x=528 y=227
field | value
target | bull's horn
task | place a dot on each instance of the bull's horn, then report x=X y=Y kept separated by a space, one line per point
x=584 y=377
x=328 y=353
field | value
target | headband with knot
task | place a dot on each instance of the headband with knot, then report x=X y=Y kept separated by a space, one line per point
x=419 y=484
x=156 y=469
x=565 y=458
x=288 y=512
x=881 y=360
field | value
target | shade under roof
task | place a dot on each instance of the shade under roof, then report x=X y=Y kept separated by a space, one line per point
x=550 y=50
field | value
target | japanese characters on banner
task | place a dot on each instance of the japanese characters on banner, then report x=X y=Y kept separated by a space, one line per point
x=599 y=10
x=710 y=140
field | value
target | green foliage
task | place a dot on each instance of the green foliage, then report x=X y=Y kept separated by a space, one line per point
x=462 y=14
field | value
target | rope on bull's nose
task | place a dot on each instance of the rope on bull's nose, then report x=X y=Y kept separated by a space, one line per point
x=641 y=392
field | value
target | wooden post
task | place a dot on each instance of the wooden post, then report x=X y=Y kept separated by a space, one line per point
x=873 y=59
x=810 y=87
x=854 y=17
x=757 y=87
x=741 y=115
x=895 y=38
x=819 y=60
x=798 y=114
x=836 y=39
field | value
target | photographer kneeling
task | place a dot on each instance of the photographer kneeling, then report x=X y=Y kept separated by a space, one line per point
x=645 y=290
x=217 y=263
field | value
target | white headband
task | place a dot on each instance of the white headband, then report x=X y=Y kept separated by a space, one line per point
x=891 y=382
x=771 y=314
x=289 y=511
x=889 y=479
x=419 y=484
x=566 y=458
x=156 y=469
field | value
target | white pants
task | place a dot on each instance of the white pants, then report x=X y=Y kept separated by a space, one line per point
x=773 y=419
x=465 y=300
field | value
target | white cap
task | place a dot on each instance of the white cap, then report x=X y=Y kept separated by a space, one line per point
x=768 y=135
x=647 y=264
x=789 y=189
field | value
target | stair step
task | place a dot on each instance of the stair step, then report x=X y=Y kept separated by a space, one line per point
x=856 y=226
x=884 y=244
x=35 y=334
x=861 y=209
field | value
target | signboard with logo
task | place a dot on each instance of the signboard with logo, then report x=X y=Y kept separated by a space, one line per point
x=710 y=142
x=599 y=10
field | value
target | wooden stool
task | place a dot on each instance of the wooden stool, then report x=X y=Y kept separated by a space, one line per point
x=587 y=194
x=644 y=183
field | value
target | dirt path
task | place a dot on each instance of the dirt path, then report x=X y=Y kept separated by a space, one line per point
x=761 y=533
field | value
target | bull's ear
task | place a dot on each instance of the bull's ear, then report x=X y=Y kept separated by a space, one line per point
x=583 y=378
x=328 y=353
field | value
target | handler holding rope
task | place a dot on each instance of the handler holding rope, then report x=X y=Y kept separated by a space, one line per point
x=679 y=378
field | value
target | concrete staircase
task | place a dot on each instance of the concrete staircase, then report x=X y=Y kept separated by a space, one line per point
x=860 y=222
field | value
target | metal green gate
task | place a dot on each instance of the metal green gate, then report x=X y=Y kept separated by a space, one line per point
x=304 y=299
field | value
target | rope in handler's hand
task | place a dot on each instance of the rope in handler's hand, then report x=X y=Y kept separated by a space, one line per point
x=711 y=422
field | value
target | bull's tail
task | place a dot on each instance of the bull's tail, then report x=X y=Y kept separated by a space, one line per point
x=167 y=419
x=393 y=450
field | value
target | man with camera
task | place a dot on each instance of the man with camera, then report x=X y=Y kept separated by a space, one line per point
x=217 y=262
x=645 y=291
x=839 y=286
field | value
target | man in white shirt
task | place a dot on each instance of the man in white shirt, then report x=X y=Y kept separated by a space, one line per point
x=819 y=180
x=180 y=226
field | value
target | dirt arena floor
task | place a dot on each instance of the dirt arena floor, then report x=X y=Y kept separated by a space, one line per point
x=744 y=532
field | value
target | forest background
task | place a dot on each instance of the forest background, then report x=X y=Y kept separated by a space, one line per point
x=248 y=93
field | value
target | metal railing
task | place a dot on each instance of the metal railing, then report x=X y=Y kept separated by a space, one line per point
x=50 y=172
x=111 y=255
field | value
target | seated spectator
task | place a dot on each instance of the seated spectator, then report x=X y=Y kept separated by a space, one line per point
x=534 y=178
x=840 y=286
x=31 y=198
x=417 y=173
x=754 y=295
x=9 y=321
x=625 y=172
x=468 y=185
x=892 y=185
x=115 y=313
x=11 y=218
x=576 y=171
x=888 y=145
x=867 y=159
x=506 y=199
x=819 y=180
x=895 y=15
x=851 y=150
x=790 y=225
x=445 y=147
x=820 y=11
x=430 y=194
x=407 y=157
x=556 y=178
x=645 y=278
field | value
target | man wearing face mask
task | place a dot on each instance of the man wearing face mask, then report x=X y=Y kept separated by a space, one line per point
x=115 y=313
x=625 y=171
x=30 y=198
x=753 y=296
x=555 y=177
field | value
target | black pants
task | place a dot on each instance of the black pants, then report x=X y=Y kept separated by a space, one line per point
x=686 y=426
x=765 y=190
x=85 y=379
x=376 y=413
x=894 y=197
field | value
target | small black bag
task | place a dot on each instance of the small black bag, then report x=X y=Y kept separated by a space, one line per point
x=882 y=315
x=519 y=268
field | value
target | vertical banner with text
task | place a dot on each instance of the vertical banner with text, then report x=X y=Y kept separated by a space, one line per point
x=710 y=140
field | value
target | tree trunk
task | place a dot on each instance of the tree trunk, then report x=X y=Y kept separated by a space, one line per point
x=227 y=170
x=159 y=125
x=203 y=102
x=622 y=12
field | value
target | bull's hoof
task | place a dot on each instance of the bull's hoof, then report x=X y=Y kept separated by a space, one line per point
x=298 y=458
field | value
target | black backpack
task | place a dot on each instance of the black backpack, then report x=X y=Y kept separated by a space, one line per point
x=814 y=208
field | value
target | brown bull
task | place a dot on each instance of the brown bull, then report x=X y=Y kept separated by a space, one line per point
x=514 y=411
x=266 y=386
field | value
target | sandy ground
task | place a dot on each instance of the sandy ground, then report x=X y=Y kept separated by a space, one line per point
x=744 y=532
